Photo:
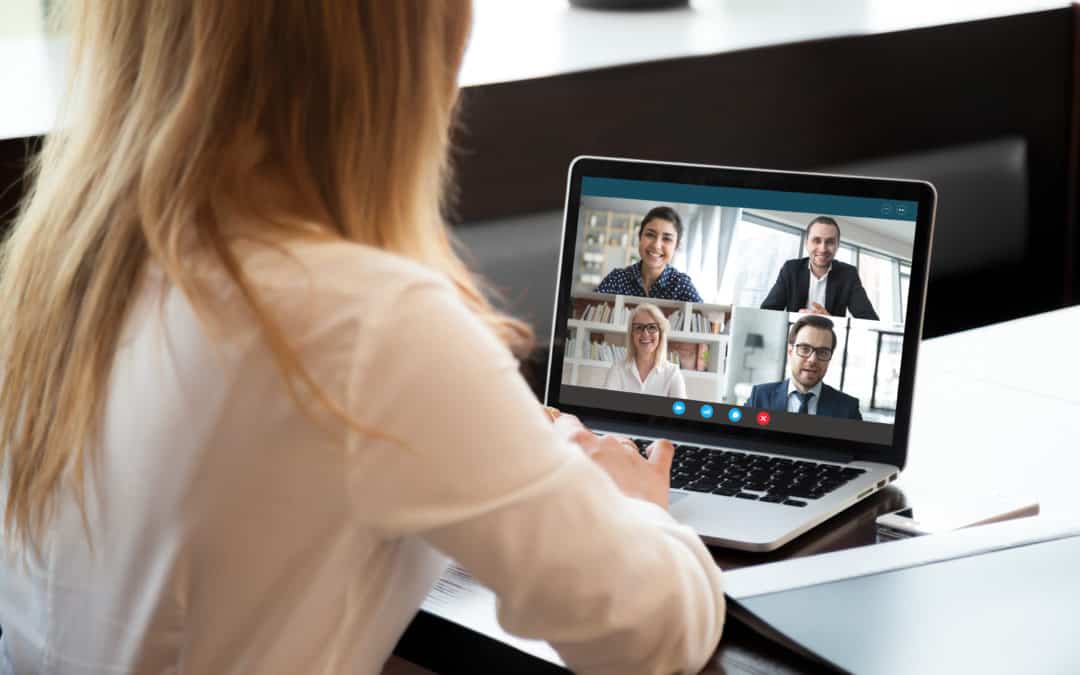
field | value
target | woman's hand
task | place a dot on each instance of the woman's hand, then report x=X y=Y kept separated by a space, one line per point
x=647 y=479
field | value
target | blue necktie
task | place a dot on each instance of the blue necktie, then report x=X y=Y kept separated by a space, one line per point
x=804 y=402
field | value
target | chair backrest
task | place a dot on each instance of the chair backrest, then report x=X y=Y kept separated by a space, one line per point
x=982 y=252
x=982 y=217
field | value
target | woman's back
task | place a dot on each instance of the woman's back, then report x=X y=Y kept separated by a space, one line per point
x=222 y=529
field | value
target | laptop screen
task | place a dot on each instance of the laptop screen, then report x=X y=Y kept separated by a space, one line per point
x=772 y=310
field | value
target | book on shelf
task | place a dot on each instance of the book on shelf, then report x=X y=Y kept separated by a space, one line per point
x=690 y=356
x=675 y=320
x=621 y=317
x=710 y=323
x=673 y=357
x=603 y=313
x=603 y=351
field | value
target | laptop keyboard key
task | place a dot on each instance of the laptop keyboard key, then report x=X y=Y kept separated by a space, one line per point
x=697 y=487
x=773 y=498
x=793 y=502
x=746 y=495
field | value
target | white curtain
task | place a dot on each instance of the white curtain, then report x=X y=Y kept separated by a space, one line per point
x=707 y=235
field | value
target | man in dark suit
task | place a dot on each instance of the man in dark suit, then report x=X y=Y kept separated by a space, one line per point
x=818 y=283
x=811 y=342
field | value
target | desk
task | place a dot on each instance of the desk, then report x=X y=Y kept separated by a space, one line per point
x=974 y=423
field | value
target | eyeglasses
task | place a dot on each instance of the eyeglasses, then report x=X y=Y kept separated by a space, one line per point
x=804 y=351
x=650 y=328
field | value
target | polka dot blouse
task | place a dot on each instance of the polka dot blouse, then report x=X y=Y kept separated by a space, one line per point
x=672 y=284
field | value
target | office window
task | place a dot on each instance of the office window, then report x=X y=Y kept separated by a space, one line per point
x=878 y=277
x=857 y=366
x=887 y=373
x=758 y=251
x=905 y=281
x=847 y=254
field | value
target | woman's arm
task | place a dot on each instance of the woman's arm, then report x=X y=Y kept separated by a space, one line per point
x=613 y=582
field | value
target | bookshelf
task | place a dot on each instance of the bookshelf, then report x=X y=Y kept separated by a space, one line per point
x=608 y=241
x=698 y=340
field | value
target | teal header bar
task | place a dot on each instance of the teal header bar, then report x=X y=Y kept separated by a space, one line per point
x=803 y=202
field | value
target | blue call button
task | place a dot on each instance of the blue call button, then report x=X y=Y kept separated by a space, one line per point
x=678 y=407
x=735 y=415
x=706 y=411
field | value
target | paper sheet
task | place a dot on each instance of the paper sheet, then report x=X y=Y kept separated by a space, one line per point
x=460 y=598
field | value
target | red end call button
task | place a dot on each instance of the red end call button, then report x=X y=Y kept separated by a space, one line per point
x=763 y=418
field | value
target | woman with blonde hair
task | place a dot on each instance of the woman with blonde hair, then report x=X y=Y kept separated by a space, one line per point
x=208 y=462
x=646 y=370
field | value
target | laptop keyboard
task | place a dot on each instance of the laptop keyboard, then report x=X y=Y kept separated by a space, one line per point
x=729 y=473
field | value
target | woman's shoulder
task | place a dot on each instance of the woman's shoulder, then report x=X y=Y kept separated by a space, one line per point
x=681 y=276
x=620 y=273
x=337 y=267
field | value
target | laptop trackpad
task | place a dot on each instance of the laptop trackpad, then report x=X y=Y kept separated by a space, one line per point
x=676 y=497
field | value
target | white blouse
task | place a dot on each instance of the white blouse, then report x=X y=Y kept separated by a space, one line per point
x=232 y=533
x=665 y=379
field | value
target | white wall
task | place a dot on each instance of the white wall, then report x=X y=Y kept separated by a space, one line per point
x=767 y=362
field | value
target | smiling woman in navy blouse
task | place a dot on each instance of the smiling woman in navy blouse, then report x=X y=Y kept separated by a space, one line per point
x=654 y=277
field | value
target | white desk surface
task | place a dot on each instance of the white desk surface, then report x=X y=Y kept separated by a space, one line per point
x=1001 y=406
x=522 y=39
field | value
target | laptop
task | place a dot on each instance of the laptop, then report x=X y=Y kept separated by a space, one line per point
x=766 y=322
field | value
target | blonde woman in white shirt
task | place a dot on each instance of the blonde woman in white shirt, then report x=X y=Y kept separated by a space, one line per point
x=646 y=370
x=251 y=399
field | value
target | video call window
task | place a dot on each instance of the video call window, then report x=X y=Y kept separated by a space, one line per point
x=866 y=365
x=760 y=245
x=723 y=285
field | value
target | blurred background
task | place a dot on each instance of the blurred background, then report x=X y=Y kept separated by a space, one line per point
x=979 y=97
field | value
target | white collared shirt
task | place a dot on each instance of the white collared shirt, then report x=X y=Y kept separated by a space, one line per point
x=817 y=287
x=664 y=379
x=793 y=401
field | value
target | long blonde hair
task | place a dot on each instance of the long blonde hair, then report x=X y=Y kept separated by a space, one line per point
x=661 y=344
x=185 y=117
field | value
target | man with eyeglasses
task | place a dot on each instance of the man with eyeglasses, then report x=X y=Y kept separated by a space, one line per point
x=811 y=342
